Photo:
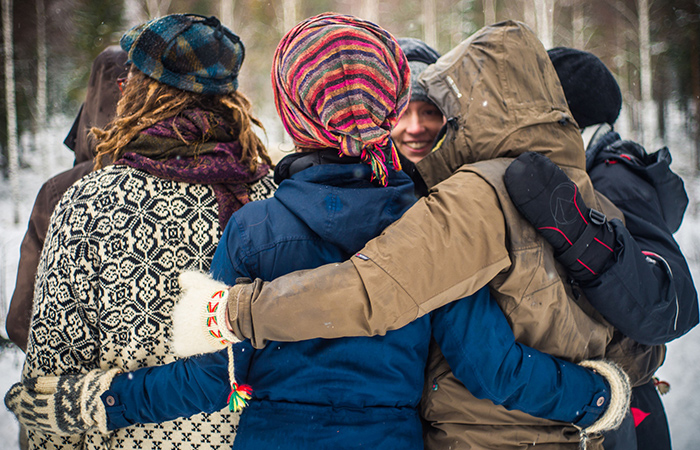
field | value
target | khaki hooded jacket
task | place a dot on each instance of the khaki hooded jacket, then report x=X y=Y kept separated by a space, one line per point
x=502 y=98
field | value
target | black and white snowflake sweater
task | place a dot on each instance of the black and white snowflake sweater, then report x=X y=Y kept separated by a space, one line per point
x=106 y=284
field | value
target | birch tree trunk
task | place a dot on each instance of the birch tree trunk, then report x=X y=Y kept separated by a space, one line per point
x=226 y=16
x=11 y=107
x=529 y=14
x=645 y=74
x=157 y=8
x=369 y=10
x=489 y=12
x=544 y=11
x=578 y=39
x=41 y=103
x=430 y=23
x=134 y=13
x=290 y=13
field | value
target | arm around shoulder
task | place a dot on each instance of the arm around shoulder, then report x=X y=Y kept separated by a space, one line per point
x=423 y=261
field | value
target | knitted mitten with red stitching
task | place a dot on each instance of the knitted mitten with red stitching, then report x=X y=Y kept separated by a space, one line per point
x=199 y=317
x=582 y=239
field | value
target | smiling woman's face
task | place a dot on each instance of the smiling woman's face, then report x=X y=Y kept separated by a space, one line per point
x=416 y=130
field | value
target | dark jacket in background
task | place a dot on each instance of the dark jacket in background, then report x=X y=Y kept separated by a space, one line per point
x=100 y=103
x=97 y=111
x=653 y=201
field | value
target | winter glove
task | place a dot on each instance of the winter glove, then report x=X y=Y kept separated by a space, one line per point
x=582 y=239
x=199 y=317
x=66 y=404
x=620 y=393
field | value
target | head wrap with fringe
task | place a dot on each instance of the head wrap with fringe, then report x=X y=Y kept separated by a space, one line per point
x=342 y=82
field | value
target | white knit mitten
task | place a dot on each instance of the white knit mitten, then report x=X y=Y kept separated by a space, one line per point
x=620 y=392
x=199 y=318
x=66 y=404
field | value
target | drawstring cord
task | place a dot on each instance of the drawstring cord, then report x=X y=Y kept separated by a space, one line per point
x=240 y=394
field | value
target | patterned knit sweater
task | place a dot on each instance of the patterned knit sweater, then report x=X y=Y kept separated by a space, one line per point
x=105 y=287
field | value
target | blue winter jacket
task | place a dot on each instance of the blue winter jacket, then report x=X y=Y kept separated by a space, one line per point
x=350 y=392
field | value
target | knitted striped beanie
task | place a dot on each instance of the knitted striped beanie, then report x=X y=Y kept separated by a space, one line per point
x=342 y=82
x=187 y=51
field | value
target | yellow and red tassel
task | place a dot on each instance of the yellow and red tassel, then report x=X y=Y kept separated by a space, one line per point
x=394 y=156
x=239 y=397
x=375 y=157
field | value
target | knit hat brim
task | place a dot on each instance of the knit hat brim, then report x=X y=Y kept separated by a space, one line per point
x=417 y=91
x=419 y=55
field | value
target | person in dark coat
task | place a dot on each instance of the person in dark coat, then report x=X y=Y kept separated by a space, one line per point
x=653 y=200
x=651 y=197
x=97 y=111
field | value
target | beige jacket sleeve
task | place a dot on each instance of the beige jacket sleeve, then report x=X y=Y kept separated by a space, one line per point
x=445 y=247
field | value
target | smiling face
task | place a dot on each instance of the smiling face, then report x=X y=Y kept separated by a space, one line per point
x=416 y=130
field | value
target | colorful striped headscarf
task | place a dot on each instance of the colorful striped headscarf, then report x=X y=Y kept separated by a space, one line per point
x=342 y=82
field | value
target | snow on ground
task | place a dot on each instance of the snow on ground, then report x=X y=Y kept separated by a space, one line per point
x=682 y=366
x=681 y=369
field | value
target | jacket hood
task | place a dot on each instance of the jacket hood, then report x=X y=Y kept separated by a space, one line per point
x=501 y=97
x=654 y=168
x=340 y=204
x=100 y=104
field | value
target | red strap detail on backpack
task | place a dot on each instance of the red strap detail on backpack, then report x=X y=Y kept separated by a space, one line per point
x=638 y=416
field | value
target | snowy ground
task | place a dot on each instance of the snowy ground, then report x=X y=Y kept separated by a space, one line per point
x=682 y=367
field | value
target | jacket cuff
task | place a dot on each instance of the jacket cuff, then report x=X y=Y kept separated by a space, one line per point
x=595 y=409
x=115 y=411
x=241 y=297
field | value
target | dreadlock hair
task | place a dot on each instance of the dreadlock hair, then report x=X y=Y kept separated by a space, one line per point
x=146 y=102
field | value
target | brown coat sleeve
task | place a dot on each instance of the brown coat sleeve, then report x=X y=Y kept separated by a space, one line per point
x=445 y=247
x=20 y=313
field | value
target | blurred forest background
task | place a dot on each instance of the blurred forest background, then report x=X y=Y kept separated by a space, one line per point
x=652 y=46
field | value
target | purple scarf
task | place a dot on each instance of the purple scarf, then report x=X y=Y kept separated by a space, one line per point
x=211 y=157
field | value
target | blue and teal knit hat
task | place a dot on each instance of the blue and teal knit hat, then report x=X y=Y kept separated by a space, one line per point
x=187 y=51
